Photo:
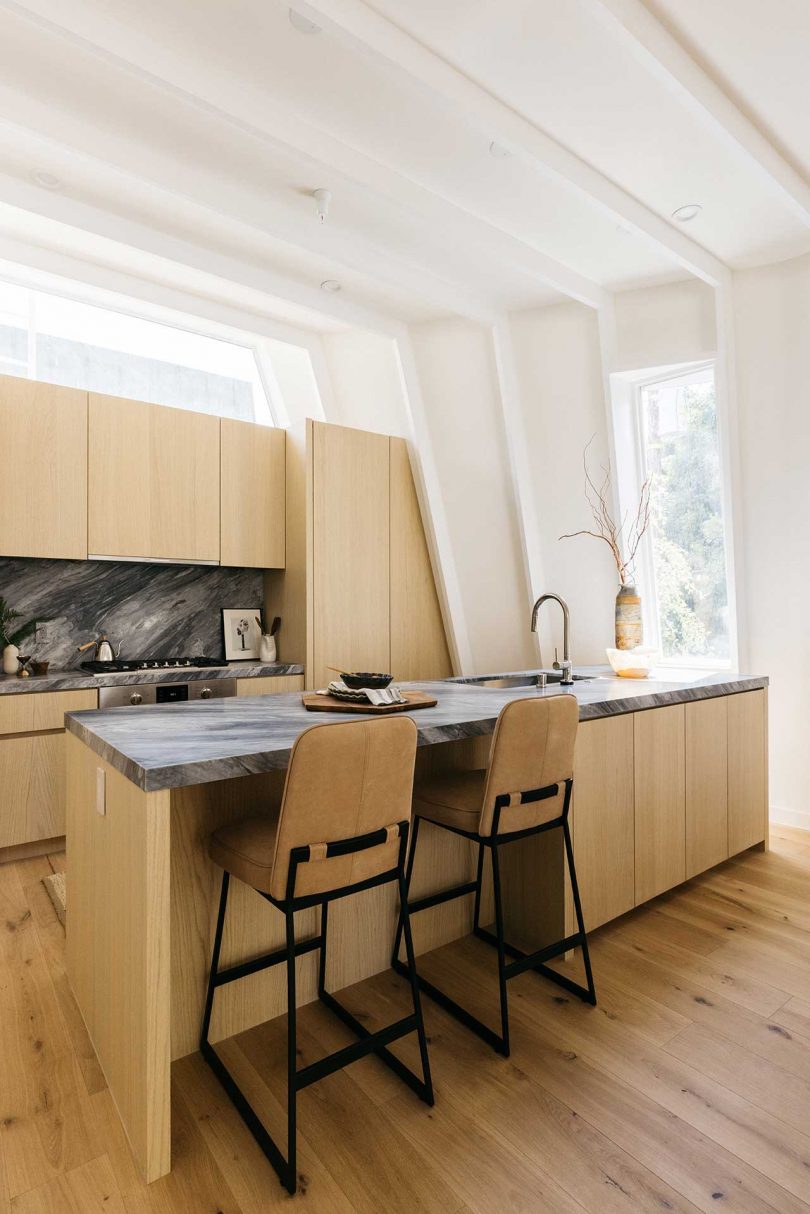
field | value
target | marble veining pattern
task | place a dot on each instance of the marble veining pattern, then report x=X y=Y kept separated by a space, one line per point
x=174 y=746
x=151 y=610
x=80 y=680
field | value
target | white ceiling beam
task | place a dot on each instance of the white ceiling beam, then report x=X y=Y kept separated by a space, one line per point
x=666 y=59
x=354 y=22
x=96 y=225
x=454 y=217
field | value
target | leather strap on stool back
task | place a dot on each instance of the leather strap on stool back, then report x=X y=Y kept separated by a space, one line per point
x=344 y=780
x=533 y=747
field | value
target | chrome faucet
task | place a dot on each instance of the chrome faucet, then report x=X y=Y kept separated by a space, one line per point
x=565 y=665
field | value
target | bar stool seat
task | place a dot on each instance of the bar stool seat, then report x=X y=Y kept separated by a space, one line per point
x=246 y=849
x=342 y=828
x=525 y=790
x=453 y=800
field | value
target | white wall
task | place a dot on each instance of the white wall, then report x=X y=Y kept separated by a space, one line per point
x=455 y=364
x=656 y=326
x=366 y=383
x=772 y=319
x=559 y=372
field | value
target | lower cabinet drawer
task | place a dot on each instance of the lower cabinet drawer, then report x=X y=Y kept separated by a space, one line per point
x=270 y=685
x=28 y=711
x=32 y=788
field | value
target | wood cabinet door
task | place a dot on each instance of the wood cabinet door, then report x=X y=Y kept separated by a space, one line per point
x=418 y=643
x=660 y=818
x=32 y=776
x=349 y=552
x=252 y=458
x=602 y=818
x=153 y=481
x=747 y=770
x=706 y=784
x=43 y=486
x=270 y=685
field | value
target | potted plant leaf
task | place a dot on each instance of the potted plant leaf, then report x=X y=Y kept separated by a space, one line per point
x=12 y=635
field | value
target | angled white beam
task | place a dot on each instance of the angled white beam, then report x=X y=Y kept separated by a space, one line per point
x=731 y=479
x=431 y=500
x=664 y=56
x=455 y=216
x=32 y=204
x=354 y=22
x=519 y=462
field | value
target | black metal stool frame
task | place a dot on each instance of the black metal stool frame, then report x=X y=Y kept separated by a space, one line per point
x=537 y=960
x=367 y=1043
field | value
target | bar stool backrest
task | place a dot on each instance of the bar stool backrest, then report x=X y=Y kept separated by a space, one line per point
x=533 y=747
x=344 y=780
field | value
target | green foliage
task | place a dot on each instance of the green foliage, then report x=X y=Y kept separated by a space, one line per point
x=10 y=635
x=688 y=539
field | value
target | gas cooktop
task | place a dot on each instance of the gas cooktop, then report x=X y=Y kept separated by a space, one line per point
x=122 y=666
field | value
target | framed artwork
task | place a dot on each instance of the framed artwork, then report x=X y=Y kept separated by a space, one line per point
x=241 y=632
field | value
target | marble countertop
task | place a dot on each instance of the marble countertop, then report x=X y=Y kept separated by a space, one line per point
x=80 y=680
x=177 y=745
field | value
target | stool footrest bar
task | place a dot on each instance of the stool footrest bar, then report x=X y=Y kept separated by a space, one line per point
x=472 y=1022
x=265 y=961
x=370 y=1044
x=383 y=1053
x=445 y=895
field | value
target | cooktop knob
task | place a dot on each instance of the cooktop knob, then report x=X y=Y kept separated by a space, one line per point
x=136 y=698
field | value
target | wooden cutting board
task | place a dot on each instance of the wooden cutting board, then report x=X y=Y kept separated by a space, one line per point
x=414 y=699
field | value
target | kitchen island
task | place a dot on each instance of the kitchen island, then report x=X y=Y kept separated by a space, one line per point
x=670 y=778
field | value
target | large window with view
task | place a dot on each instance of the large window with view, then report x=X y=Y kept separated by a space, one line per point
x=80 y=345
x=686 y=576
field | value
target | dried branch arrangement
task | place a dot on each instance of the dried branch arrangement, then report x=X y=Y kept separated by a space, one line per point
x=614 y=535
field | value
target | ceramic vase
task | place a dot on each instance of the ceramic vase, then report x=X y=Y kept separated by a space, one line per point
x=629 y=632
x=267 y=648
x=11 y=659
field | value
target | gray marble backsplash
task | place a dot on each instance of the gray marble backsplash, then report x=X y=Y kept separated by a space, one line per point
x=154 y=610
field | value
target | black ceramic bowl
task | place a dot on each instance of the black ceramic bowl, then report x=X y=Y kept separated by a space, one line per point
x=363 y=678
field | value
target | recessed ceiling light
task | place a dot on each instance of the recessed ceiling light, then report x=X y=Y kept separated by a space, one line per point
x=330 y=284
x=303 y=24
x=47 y=181
x=499 y=151
x=690 y=211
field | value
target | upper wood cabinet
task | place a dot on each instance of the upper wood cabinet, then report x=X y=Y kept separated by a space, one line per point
x=418 y=643
x=349 y=552
x=154 y=477
x=252 y=461
x=43 y=488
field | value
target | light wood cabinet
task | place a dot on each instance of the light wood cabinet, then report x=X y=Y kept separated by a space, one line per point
x=349 y=552
x=747 y=770
x=602 y=817
x=153 y=481
x=418 y=643
x=252 y=462
x=706 y=783
x=43 y=487
x=32 y=761
x=272 y=685
x=660 y=813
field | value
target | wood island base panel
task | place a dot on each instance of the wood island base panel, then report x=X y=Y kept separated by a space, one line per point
x=669 y=778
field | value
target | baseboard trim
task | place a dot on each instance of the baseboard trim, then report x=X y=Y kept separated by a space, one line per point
x=28 y=851
x=790 y=817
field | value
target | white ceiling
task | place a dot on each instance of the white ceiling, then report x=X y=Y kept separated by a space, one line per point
x=195 y=131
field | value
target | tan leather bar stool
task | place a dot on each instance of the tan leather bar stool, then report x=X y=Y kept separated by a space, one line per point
x=342 y=827
x=525 y=789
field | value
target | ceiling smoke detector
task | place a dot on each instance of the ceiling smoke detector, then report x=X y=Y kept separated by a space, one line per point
x=687 y=212
x=322 y=201
x=303 y=24
x=330 y=284
x=499 y=151
x=46 y=180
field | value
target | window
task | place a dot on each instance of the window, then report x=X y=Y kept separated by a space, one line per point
x=684 y=575
x=79 y=345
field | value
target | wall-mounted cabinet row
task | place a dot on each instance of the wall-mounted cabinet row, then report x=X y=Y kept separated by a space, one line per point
x=101 y=476
x=662 y=795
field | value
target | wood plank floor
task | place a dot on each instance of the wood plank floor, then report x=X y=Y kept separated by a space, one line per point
x=687 y=1089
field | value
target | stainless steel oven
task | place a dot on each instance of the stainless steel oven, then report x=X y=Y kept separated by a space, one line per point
x=165 y=693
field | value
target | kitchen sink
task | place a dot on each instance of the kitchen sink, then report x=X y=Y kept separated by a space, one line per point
x=523 y=680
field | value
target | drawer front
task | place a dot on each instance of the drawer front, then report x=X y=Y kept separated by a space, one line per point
x=32 y=779
x=28 y=712
x=272 y=685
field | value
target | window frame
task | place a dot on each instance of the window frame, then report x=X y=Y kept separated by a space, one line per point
x=631 y=469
